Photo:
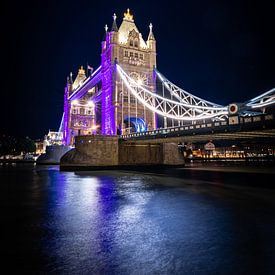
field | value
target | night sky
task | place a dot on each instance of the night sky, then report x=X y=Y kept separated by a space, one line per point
x=223 y=51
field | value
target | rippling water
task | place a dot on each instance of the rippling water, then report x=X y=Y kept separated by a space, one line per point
x=132 y=223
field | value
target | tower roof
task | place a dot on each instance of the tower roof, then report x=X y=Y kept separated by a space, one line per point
x=126 y=27
x=81 y=76
x=151 y=35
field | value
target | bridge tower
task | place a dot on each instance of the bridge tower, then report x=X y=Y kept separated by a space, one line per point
x=121 y=112
x=79 y=114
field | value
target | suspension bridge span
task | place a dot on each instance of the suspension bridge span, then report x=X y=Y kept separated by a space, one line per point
x=128 y=99
x=128 y=96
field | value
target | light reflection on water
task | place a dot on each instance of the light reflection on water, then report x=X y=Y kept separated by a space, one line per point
x=130 y=223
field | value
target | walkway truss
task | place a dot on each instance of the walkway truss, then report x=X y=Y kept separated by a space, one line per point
x=184 y=106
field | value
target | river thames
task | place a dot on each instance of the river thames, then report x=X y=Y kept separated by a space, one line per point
x=183 y=221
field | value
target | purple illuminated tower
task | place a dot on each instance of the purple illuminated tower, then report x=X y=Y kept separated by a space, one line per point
x=79 y=108
x=108 y=124
x=125 y=46
x=120 y=111
x=66 y=131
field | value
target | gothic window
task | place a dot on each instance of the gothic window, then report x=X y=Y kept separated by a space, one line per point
x=136 y=43
x=131 y=43
x=82 y=110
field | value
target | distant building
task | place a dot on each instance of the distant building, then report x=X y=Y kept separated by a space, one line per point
x=39 y=147
x=52 y=138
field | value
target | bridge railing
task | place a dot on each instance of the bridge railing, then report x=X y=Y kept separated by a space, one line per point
x=185 y=129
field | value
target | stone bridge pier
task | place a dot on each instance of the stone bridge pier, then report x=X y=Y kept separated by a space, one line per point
x=108 y=152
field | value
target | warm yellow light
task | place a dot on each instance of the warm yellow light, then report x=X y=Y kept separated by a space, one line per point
x=128 y=15
x=75 y=102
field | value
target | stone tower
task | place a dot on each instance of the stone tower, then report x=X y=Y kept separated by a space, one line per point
x=79 y=115
x=121 y=112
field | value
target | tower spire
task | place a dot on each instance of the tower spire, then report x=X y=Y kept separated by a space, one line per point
x=71 y=77
x=105 y=33
x=151 y=35
x=114 y=26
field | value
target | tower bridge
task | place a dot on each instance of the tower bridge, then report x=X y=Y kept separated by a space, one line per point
x=128 y=97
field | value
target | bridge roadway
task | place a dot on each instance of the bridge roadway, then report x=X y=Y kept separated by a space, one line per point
x=258 y=128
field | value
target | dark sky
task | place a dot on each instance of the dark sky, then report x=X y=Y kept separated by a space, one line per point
x=223 y=51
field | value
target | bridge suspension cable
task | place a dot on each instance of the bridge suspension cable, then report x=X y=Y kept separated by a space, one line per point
x=263 y=100
x=182 y=109
x=185 y=96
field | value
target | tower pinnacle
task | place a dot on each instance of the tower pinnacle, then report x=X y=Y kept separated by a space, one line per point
x=114 y=26
x=81 y=71
x=151 y=35
x=128 y=16
x=105 y=33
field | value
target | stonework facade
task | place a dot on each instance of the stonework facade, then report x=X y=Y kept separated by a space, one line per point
x=93 y=151
x=126 y=47
x=79 y=115
x=117 y=111
x=107 y=151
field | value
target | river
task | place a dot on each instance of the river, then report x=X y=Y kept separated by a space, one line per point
x=183 y=221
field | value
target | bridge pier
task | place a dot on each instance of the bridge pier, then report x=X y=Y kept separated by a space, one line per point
x=108 y=152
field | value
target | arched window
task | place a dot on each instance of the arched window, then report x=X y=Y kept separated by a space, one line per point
x=131 y=43
x=136 y=43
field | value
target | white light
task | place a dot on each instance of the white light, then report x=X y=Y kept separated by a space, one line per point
x=262 y=95
x=75 y=102
x=185 y=93
x=91 y=103
x=259 y=105
x=139 y=82
x=124 y=77
x=94 y=127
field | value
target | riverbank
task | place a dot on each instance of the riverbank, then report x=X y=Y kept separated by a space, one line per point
x=263 y=167
x=3 y=161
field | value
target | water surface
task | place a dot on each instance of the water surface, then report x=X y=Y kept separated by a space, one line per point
x=114 y=222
